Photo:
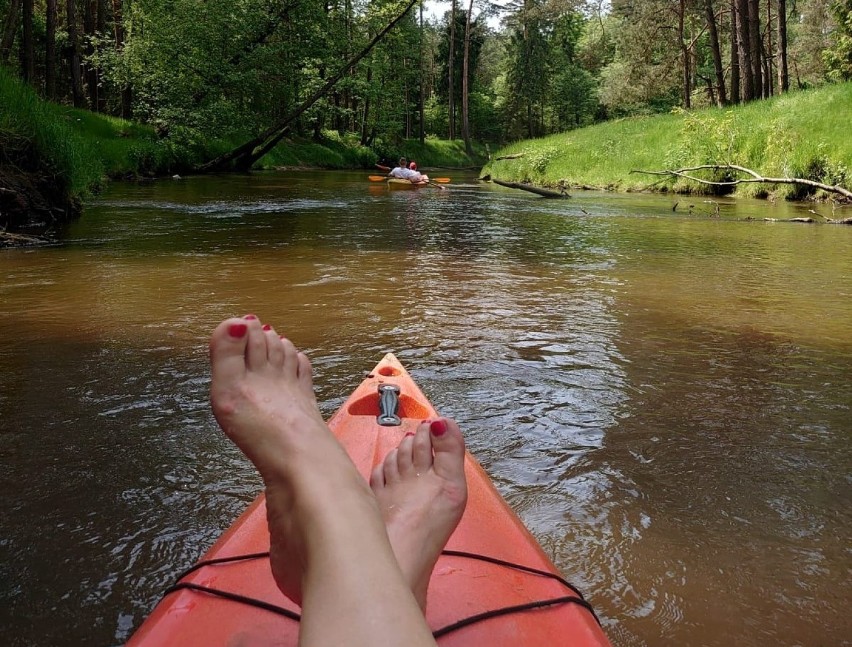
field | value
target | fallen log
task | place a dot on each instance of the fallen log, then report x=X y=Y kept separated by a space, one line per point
x=755 y=178
x=545 y=193
x=509 y=157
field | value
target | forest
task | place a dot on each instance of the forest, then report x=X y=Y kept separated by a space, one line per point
x=92 y=89
x=380 y=71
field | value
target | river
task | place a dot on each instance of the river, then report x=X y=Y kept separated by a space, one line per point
x=664 y=397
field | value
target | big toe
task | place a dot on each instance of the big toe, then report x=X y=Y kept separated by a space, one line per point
x=448 y=445
x=228 y=349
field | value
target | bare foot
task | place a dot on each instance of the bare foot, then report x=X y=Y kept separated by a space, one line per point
x=422 y=493
x=262 y=396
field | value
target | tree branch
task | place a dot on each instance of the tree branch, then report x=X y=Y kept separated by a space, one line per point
x=755 y=178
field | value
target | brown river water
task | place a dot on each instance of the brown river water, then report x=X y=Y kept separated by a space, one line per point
x=664 y=398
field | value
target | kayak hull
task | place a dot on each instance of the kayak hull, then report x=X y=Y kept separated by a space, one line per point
x=399 y=183
x=460 y=587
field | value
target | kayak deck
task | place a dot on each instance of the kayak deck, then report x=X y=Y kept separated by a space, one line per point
x=461 y=586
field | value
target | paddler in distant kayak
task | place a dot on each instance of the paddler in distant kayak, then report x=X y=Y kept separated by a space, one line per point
x=414 y=176
x=400 y=171
x=357 y=558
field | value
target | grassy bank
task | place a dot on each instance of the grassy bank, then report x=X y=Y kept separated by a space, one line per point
x=801 y=134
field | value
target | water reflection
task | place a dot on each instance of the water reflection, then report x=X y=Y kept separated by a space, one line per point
x=663 y=399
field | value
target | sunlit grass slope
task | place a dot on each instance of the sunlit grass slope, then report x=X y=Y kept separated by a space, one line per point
x=801 y=134
x=32 y=138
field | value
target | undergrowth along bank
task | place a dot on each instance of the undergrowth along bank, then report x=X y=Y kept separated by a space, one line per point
x=80 y=150
x=800 y=134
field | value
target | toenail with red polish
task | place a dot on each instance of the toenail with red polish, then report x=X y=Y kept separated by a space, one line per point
x=250 y=317
x=267 y=327
x=410 y=433
x=438 y=427
x=237 y=330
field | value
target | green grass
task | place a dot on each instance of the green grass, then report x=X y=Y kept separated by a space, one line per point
x=800 y=134
x=333 y=152
x=33 y=138
x=438 y=153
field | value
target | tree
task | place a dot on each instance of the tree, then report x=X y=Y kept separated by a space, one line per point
x=650 y=68
x=735 y=53
x=754 y=46
x=72 y=54
x=811 y=34
x=50 y=50
x=572 y=95
x=745 y=51
x=10 y=27
x=466 y=82
x=527 y=68
x=450 y=76
x=715 y=47
x=781 y=43
x=838 y=57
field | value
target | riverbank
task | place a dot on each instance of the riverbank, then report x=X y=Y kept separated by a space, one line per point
x=800 y=134
x=53 y=157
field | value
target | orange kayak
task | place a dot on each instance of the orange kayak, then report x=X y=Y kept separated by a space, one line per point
x=493 y=586
x=399 y=183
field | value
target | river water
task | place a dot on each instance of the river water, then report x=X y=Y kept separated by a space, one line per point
x=664 y=398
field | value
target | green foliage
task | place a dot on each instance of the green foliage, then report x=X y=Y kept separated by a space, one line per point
x=838 y=58
x=707 y=137
x=540 y=158
x=526 y=79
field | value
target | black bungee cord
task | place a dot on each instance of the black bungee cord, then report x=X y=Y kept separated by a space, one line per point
x=576 y=597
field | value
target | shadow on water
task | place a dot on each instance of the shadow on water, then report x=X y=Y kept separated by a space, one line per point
x=663 y=398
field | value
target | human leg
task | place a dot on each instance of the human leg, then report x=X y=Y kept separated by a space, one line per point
x=329 y=548
x=422 y=492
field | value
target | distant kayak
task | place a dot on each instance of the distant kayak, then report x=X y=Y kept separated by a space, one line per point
x=493 y=586
x=398 y=183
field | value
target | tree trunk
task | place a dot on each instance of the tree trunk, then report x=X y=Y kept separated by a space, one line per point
x=735 y=56
x=768 y=75
x=73 y=54
x=684 y=55
x=755 y=48
x=711 y=91
x=50 y=50
x=422 y=128
x=451 y=83
x=366 y=115
x=27 y=49
x=406 y=101
x=90 y=72
x=783 y=73
x=9 y=29
x=466 y=83
x=717 y=51
x=100 y=29
x=118 y=26
x=545 y=193
x=243 y=157
x=743 y=45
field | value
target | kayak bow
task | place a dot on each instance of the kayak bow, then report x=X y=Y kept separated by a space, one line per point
x=493 y=585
